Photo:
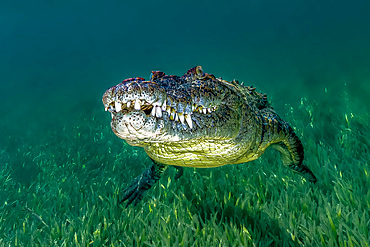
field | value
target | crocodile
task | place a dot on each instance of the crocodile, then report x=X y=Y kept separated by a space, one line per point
x=197 y=120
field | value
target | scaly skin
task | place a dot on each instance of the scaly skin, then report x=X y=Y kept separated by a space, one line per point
x=197 y=120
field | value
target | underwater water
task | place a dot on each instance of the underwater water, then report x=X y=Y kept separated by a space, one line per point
x=62 y=169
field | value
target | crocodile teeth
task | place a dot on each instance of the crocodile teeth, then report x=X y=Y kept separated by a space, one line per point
x=200 y=109
x=181 y=117
x=118 y=106
x=137 y=105
x=176 y=117
x=204 y=110
x=168 y=109
x=158 y=111
x=209 y=110
x=173 y=113
x=153 y=112
x=128 y=104
x=189 y=121
x=164 y=106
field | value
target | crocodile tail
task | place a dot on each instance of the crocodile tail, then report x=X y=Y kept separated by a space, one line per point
x=292 y=152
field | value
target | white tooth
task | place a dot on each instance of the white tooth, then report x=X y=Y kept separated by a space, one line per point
x=117 y=106
x=106 y=108
x=153 y=112
x=205 y=110
x=111 y=114
x=128 y=104
x=137 y=105
x=158 y=111
x=168 y=110
x=173 y=113
x=194 y=107
x=181 y=117
x=164 y=106
x=189 y=121
x=176 y=117
x=209 y=110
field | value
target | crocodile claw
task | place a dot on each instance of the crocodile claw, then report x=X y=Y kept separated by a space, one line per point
x=133 y=193
x=136 y=190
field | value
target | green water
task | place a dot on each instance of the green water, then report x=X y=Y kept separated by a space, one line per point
x=62 y=168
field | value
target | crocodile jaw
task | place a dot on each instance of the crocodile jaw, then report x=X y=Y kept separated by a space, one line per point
x=136 y=110
x=143 y=112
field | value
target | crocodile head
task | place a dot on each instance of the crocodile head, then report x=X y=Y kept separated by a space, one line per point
x=172 y=109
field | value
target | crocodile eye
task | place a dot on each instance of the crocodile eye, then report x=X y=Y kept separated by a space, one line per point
x=199 y=71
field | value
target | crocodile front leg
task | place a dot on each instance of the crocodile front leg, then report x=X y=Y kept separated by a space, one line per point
x=136 y=190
